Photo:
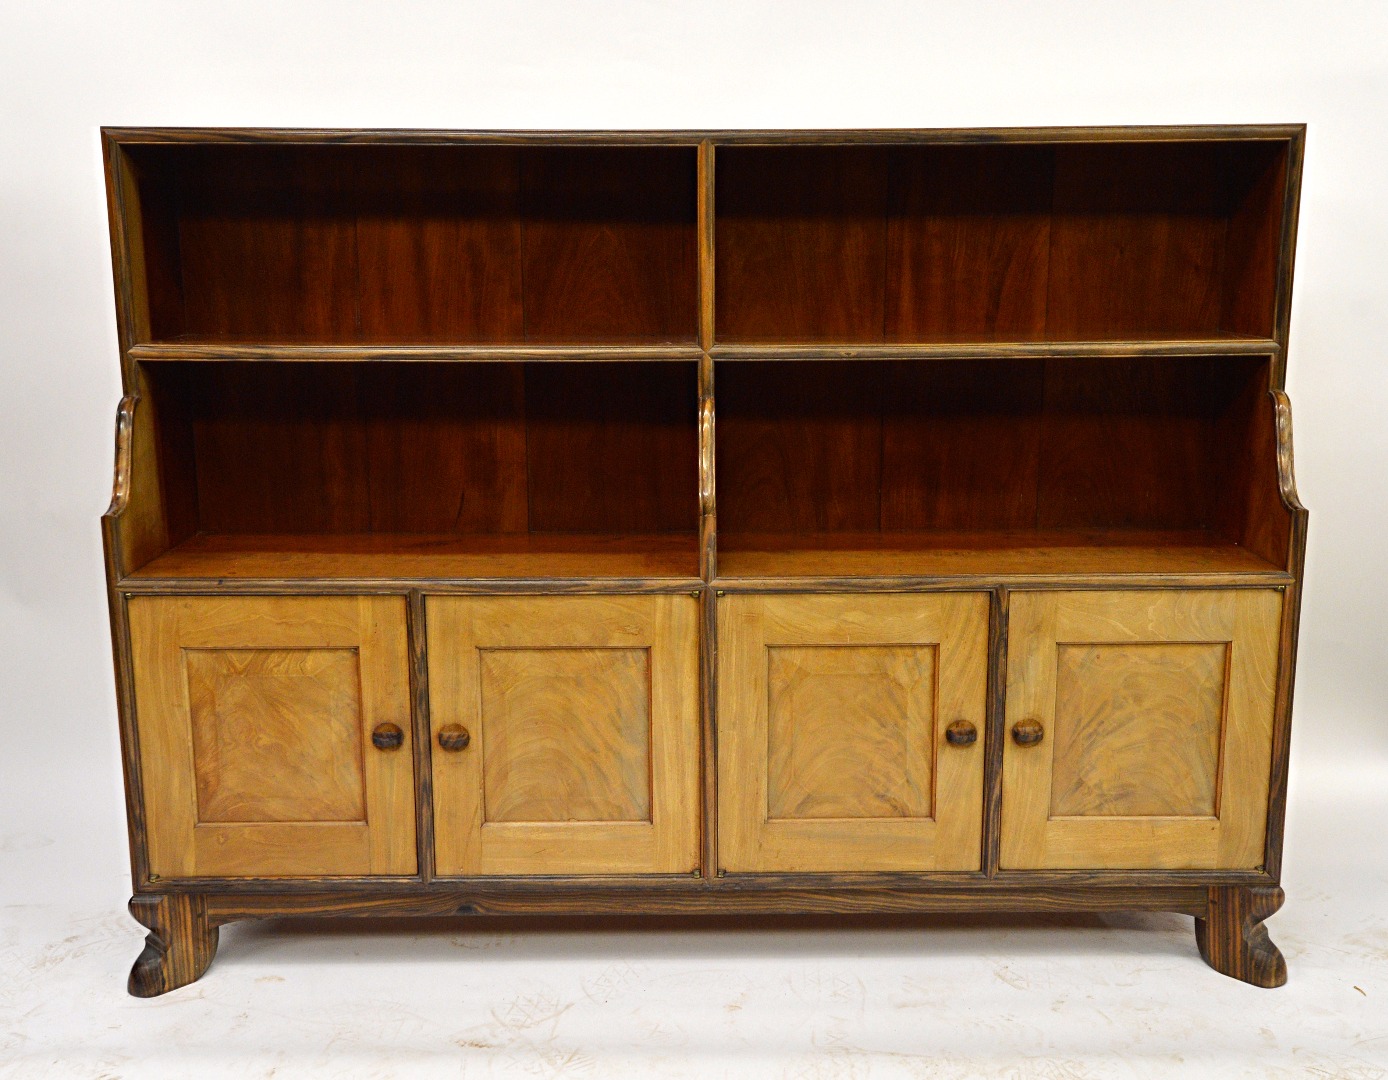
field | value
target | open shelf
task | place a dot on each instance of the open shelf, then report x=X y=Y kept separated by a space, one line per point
x=432 y=356
x=993 y=466
x=1004 y=242
x=427 y=557
x=1013 y=553
x=442 y=470
x=463 y=244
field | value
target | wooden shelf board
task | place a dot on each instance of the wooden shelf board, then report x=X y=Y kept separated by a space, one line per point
x=984 y=554
x=220 y=350
x=1231 y=345
x=359 y=556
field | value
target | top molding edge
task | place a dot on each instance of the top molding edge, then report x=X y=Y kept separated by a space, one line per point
x=134 y=136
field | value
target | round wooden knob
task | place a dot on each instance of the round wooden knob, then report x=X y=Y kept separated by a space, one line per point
x=454 y=737
x=961 y=733
x=1027 y=732
x=387 y=737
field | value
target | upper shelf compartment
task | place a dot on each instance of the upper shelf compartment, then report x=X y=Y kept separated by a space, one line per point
x=475 y=244
x=998 y=242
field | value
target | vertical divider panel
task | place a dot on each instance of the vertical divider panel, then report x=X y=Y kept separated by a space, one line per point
x=705 y=225
x=708 y=485
x=708 y=518
x=708 y=647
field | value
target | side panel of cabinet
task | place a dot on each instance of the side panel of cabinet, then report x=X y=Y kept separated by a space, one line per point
x=1156 y=712
x=832 y=713
x=255 y=717
x=581 y=753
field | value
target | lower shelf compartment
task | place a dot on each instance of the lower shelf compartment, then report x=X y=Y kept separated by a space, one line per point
x=363 y=556
x=984 y=554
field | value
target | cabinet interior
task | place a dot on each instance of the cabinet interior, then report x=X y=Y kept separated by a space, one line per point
x=1023 y=242
x=875 y=467
x=361 y=359
x=481 y=469
x=419 y=244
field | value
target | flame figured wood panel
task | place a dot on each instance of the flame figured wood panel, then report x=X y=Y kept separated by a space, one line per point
x=884 y=695
x=568 y=734
x=582 y=715
x=1157 y=711
x=290 y=714
x=1137 y=729
x=831 y=731
x=255 y=717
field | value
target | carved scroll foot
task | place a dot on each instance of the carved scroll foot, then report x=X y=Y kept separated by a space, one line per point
x=1233 y=939
x=179 y=946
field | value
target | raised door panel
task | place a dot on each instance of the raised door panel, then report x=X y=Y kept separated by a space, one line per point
x=581 y=753
x=1155 y=711
x=255 y=718
x=832 y=713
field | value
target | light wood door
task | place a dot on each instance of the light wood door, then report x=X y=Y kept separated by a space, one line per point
x=1155 y=716
x=256 y=718
x=832 y=731
x=566 y=734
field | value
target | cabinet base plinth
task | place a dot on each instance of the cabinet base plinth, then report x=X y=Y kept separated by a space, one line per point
x=1233 y=939
x=183 y=927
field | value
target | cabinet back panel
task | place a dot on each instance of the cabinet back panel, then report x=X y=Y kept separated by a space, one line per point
x=800 y=243
x=1028 y=242
x=609 y=248
x=799 y=447
x=420 y=244
x=1139 y=241
x=968 y=241
x=612 y=447
x=437 y=448
x=981 y=444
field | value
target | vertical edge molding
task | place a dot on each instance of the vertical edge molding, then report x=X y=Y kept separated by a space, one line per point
x=994 y=736
x=1291 y=210
x=417 y=630
x=1287 y=645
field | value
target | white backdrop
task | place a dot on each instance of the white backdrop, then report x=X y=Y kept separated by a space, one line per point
x=66 y=68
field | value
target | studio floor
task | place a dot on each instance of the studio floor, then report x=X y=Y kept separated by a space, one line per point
x=963 y=996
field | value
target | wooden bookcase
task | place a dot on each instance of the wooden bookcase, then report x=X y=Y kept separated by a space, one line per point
x=425 y=599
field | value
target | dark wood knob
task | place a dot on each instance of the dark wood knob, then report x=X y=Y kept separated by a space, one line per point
x=454 y=737
x=387 y=737
x=961 y=733
x=1027 y=732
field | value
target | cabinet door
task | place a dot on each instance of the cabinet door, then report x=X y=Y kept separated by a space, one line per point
x=256 y=718
x=566 y=734
x=832 y=731
x=1154 y=712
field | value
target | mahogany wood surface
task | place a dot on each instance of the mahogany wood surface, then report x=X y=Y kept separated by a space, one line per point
x=568 y=406
x=382 y=244
x=431 y=448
